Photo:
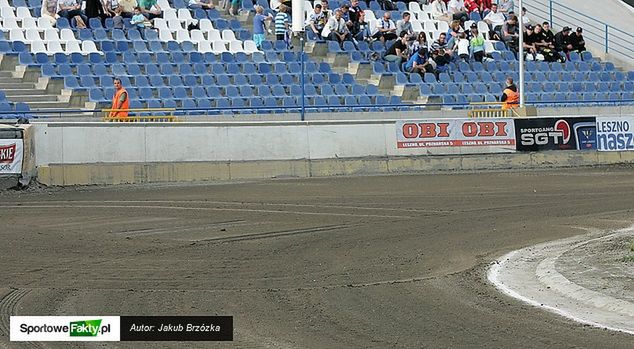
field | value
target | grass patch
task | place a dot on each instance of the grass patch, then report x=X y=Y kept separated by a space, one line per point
x=629 y=258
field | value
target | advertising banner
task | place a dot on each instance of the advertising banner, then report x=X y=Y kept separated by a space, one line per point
x=615 y=133
x=11 y=153
x=473 y=136
x=556 y=134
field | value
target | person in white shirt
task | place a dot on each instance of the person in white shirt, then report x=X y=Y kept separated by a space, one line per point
x=439 y=10
x=386 y=28
x=457 y=10
x=525 y=19
x=495 y=18
x=336 y=29
x=462 y=46
x=49 y=11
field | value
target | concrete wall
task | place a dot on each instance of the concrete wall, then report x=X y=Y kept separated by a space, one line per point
x=105 y=153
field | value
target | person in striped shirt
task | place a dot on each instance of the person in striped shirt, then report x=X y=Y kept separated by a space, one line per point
x=283 y=25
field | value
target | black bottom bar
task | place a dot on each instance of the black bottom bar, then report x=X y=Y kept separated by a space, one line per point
x=176 y=328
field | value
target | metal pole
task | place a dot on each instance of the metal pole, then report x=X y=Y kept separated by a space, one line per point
x=521 y=54
x=550 y=12
x=606 y=38
x=301 y=39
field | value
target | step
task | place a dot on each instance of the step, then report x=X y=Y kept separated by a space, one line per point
x=49 y=105
x=33 y=98
x=6 y=74
x=19 y=85
x=23 y=92
x=11 y=80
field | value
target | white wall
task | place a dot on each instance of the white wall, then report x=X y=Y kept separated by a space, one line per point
x=76 y=143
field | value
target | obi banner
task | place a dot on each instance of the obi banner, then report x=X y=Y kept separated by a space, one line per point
x=615 y=133
x=457 y=136
x=11 y=153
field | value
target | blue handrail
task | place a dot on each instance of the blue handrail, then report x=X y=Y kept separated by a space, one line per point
x=327 y=108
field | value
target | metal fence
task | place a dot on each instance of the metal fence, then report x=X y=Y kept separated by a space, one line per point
x=169 y=115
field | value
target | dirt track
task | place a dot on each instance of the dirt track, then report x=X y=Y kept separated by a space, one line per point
x=372 y=262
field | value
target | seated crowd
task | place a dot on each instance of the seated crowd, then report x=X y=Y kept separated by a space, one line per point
x=471 y=23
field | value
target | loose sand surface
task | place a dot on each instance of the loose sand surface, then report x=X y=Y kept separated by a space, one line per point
x=366 y=262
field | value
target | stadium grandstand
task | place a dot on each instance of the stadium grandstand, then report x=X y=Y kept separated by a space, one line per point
x=204 y=61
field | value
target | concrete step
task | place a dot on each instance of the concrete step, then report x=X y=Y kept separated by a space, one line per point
x=34 y=98
x=24 y=92
x=49 y=105
x=6 y=74
x=18 y=85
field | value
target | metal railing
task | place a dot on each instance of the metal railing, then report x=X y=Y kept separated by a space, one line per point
x=163 y=115
x=609 y=38
x=177 y=114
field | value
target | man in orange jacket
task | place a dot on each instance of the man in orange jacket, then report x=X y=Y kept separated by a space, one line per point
x=510 y=97
x=119 y=100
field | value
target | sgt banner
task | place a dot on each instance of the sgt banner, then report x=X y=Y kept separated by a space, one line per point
x=482 y=135
x=615 y=133
x=11 y=153
x=536 y=134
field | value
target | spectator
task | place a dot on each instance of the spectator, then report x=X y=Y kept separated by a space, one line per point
x=510 y=33
x=453 y=33
x=484 y=6
x=473 y=9
x=386 y=28
x=562 y=41
x=530 y=45
x=95 y=9
x=49 y=11
x=259 y=26
x=109 y=7
x=439 y=11
x=440 y=61
x=477 y=43
x=337 y=29
x=545 y=48
x=398 y=51
x=150 y=9
x=457 y=10
x=355 y=11
x=506 y=6
x=525 y=18
x=360 y=29
x=234 y=6
x=71 y=8
x=442 y=51
x=548 y=35
x=577 y=41
x=325 y=9
x=122 y=9
x=420 y=42
x=138 y=20
x=404 y=25
x=419 y=62
x=495 y=18
x=317 y=21
x=462 y=47
x=345 y=13
x=120 y=101
x=283 y=25
x=510 y=96
x=203 y=4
